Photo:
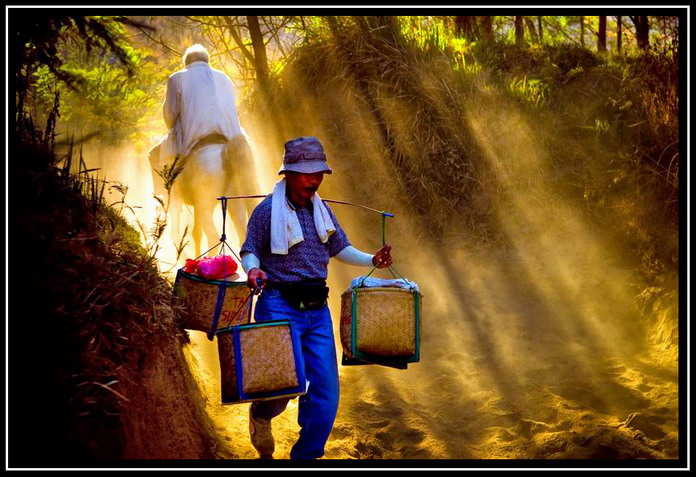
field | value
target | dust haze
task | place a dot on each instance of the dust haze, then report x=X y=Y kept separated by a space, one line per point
x=533 y=351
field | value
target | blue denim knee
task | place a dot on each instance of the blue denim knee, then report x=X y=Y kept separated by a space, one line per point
x=318 y=408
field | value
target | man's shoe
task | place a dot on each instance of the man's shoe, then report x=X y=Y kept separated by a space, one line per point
x=261 y=436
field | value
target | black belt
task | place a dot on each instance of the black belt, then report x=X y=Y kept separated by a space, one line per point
x=294 y=285
x=305 y=295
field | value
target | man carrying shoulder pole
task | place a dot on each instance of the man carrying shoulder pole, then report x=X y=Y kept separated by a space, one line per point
x=291 y=236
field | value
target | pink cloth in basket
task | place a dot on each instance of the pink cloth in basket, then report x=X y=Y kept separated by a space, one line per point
x=214 y=268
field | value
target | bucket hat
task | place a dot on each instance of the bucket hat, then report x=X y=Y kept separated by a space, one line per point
x=304 y=154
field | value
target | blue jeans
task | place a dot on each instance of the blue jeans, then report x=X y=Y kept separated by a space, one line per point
x=317 y=408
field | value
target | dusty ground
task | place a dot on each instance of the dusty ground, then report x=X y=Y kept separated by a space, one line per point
x=535 y=352
x=505 y=374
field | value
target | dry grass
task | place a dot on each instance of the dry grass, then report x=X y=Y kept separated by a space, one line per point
x=100 y=313
x=408 y=118
x=606 y=128
x=381 y=103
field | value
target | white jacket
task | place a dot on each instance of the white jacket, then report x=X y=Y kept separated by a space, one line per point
x=199 y=101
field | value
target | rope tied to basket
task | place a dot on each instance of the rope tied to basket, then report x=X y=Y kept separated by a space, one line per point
x=222 y=286
x=392 y=269
x=223 y=238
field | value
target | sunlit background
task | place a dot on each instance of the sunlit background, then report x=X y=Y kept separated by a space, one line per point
x=533 y=344
x=520 y=347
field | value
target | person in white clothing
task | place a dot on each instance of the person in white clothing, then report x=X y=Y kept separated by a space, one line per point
x=207 y=142
x=199 y=105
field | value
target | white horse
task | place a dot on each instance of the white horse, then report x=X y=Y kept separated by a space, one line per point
x=210 y=171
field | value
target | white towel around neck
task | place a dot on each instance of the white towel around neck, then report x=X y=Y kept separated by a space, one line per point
x=285 y=227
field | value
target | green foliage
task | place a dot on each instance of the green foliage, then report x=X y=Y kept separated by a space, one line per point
x=111 y=102
x=608 y=125
x=411 y=99
x=569 y=57
x=506 y=57
x=622 y=109
x=534 y=91
x=428 y=34
x=510 y=58
x=38 y=39
x=664 y=36
x=108 y=86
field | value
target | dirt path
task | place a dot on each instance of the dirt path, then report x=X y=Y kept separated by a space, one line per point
x=505 y=373
x=535 y=349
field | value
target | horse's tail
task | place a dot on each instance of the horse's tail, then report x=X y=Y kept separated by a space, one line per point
x=240 y=169
x=157 y=180
x=154 y=155
x=237 y=159
x=237 y=150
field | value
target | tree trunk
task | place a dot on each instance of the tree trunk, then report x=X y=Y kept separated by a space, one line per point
x=602 y=35
x=618 y=34
x=532 y=30
x=519 y=30
x=582 y=31
x=541 y=30
x=642 y=31
x=465 y=27
x=260 y=59
x=232 y=28
x=487 y=28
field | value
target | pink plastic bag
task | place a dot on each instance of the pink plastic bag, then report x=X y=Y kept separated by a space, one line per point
x=217 y=267
x=191 y=266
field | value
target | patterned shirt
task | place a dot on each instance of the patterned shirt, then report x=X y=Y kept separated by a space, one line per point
x=307 y=260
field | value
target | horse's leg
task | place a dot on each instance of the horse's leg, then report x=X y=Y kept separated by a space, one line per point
x=197 y=232
x=205 y=183
x=175 y=207
x=240 y=179
x=203 y=221
x=238 y=213
x=179 y=200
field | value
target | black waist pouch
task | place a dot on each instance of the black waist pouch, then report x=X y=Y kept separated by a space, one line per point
x=303 y=295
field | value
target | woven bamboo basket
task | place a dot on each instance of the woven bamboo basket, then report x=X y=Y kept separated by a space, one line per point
x=260 y=361
x=384 y=322
x=200 y=298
